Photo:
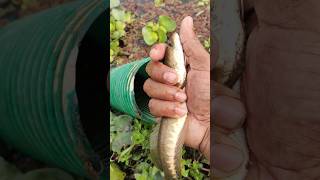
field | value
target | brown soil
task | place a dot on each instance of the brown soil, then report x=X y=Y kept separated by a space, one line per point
x=12 y=10
x=145 y=11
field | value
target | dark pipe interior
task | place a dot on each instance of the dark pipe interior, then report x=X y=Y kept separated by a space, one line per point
x=91 y=87
x=141 y=98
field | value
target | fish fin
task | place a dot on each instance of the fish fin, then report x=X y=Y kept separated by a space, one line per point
x=154 y=150
x=179 y=147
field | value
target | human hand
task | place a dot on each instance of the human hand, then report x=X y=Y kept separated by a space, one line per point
x=280 y=86
x=170 y=101
x=229 y=154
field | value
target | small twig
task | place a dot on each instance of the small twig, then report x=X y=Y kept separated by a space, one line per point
x=205 y=169
x=200 y=157
x=124 y=53
x=199 y=13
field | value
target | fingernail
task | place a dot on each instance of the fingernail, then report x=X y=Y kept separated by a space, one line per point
x=227 y=158
x=170 y=77
x=180 y=111
x=180 y=96
x=190 y=20
x=153 y=51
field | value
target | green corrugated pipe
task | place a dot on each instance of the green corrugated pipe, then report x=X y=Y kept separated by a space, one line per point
x=126 y=90
x=38 y=102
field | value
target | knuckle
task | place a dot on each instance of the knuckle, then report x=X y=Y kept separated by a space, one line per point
x=154 y=70
x=171 y=109
x=188 y=47
x=181 y=105
x=169 y=112
x=169 y=93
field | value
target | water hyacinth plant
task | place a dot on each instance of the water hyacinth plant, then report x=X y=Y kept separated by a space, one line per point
x=157 y=32
x=119 y=18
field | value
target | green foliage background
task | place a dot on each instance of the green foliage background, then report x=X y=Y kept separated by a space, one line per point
x=130 y=147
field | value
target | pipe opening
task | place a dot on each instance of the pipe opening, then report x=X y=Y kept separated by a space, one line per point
x=141 y=98
x=91 y=87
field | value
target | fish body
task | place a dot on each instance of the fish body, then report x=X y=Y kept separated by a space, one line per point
x=168 y=136
x=228 y=36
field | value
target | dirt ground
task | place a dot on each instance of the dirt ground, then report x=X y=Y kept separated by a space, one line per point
x=133 y=45
x=11 y=10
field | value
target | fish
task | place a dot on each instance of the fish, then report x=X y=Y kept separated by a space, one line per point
x=228 y=53
x=228 y=38
x=167 y=137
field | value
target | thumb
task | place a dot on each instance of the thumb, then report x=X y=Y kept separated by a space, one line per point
x=197 y=57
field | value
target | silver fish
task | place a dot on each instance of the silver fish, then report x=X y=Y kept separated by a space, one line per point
x=228 y=36
x=168 y=136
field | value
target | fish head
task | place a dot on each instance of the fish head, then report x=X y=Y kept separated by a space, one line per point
x=175 y=58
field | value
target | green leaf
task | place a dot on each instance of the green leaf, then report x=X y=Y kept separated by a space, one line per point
x=137 y=156
x=149 y=36
x=154 y=170
x=163 y=29
x=112 y=27
x=141 y=166
x=126 y=154
x=185 y=164
x=203 y=2
x=200 y=3
x=128 y=17
x=121 y=33
x=141 y=176
x=114 y=3
x=121 y=140
x=184 y=172
x=195 y=170
x=118 y=14
x=111 y=116
x=112 y=135
x=162 y=35
x=112 y=20
x=137 y=125
x=137 y=137
x=196 y=165
x=116 y=35
x=116 y=173
x=114 y=45
x=111 y=52
x=122 y=123
x=150 y=24
x=158 y=3
x=155 y=27
x=168 y=23
x=120 y=25
x=206 y=44
x=158 y=176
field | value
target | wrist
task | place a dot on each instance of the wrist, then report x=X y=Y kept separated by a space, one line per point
x=204 y=146
x=198 y=135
